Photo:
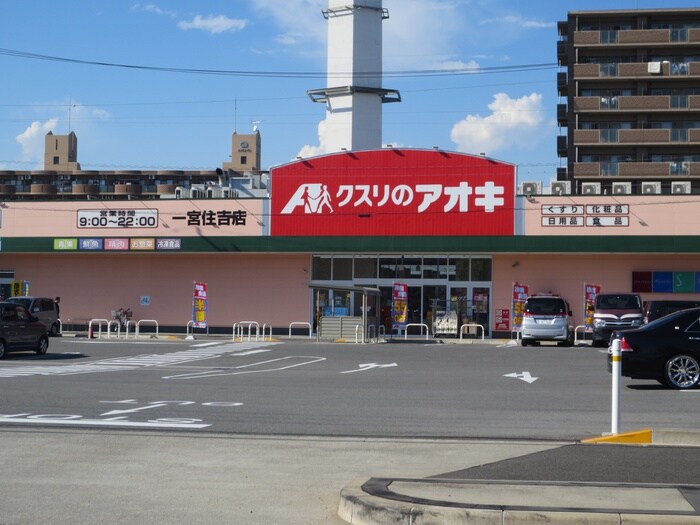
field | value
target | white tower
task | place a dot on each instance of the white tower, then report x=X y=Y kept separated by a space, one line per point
x=354 y=95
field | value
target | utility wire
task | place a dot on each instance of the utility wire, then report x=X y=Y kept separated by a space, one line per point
x=286 y=74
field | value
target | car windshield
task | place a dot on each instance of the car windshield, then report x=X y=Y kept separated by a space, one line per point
x=545 y=306
x=24 y=301
x=618 y=302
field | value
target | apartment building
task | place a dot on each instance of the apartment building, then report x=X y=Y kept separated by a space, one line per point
x=629 y=111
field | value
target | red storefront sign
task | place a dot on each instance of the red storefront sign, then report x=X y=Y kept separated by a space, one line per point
x=393 y=192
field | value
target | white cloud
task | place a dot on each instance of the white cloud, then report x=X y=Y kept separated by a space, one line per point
x=153 y=8
x=322 y=148
x=513 y=123
x=519 y=21
x=32 y=139
x=213 y=24
x=300 y=21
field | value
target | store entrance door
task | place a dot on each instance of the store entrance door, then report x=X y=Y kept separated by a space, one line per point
x=470 y=305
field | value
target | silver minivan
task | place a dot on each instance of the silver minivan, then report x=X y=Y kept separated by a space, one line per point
x=42 y=307
x=547 y=318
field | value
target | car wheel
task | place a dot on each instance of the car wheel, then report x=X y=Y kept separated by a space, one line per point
x=523 y=342
x=682 y=372
x=3 y=350
x=53 y=331
x=42 y=345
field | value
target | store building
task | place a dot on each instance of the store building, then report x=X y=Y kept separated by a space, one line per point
x=460 y=231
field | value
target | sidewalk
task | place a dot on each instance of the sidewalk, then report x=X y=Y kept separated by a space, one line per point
x=595 y=483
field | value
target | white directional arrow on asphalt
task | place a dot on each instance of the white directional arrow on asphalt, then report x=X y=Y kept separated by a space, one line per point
x=132 y=410
x=523 y=376
x=369 y=366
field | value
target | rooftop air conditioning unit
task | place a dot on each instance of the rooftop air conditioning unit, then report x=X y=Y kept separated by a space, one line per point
x=621 y=188
x=651 y=188
x=531 y=188
x=654 y=68
x=680 y=188
x=590 y=188
x=561 y=187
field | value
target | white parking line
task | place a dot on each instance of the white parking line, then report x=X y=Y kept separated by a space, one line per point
x=131 y=362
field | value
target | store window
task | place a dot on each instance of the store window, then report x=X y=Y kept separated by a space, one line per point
x=365 y=268
x=342 y=268
x=321 y=268
x=459 y=269
x=387 y=267
x=435 y=268
x=481 y=270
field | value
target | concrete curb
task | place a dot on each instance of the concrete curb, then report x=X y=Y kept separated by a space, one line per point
x=384 y=501
x=361 y=508
x=668 y=437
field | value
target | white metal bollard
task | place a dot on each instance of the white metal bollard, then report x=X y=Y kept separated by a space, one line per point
x=616 y=374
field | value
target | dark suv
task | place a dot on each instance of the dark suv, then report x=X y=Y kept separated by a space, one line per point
x=42 y=307
x=615 y=311
x=20 y=330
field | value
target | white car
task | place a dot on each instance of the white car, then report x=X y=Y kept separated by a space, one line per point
x=547 y=318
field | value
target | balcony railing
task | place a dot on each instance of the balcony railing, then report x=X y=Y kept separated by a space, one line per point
x=628 y=137
x=637 y=170
x=636 y=37
x=638 y=103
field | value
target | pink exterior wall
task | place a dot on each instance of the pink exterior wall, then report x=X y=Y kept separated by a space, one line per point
x=271 y=288
x=61 y=218
x=566 y=274
x=639 y=215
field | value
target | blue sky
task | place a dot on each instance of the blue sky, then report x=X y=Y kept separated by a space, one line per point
x=136 y=118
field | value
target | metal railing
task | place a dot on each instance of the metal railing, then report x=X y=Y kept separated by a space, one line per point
x=138 y=326
x=299 y=323
x=421 y=325
x=473 y=325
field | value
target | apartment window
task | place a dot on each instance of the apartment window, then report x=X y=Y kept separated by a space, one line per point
x=609 y=169
x=679 y=101
x=608 y=37
x=679 y=168
x=608 y=70
x=679 y=135
x=608 y=102
x=608 y=135
x=679 y=35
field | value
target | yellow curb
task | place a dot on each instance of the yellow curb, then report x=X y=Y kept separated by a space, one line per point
x=637 y=437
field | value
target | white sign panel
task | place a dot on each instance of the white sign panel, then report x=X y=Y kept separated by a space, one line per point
x=115 y=218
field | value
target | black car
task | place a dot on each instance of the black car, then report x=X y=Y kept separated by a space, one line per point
x=667 y=350
x=655 y=309
x=20 y=330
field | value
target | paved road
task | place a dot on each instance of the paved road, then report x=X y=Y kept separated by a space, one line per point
x=298 y=388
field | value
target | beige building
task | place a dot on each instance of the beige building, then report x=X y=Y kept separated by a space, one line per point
x=63 y=178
